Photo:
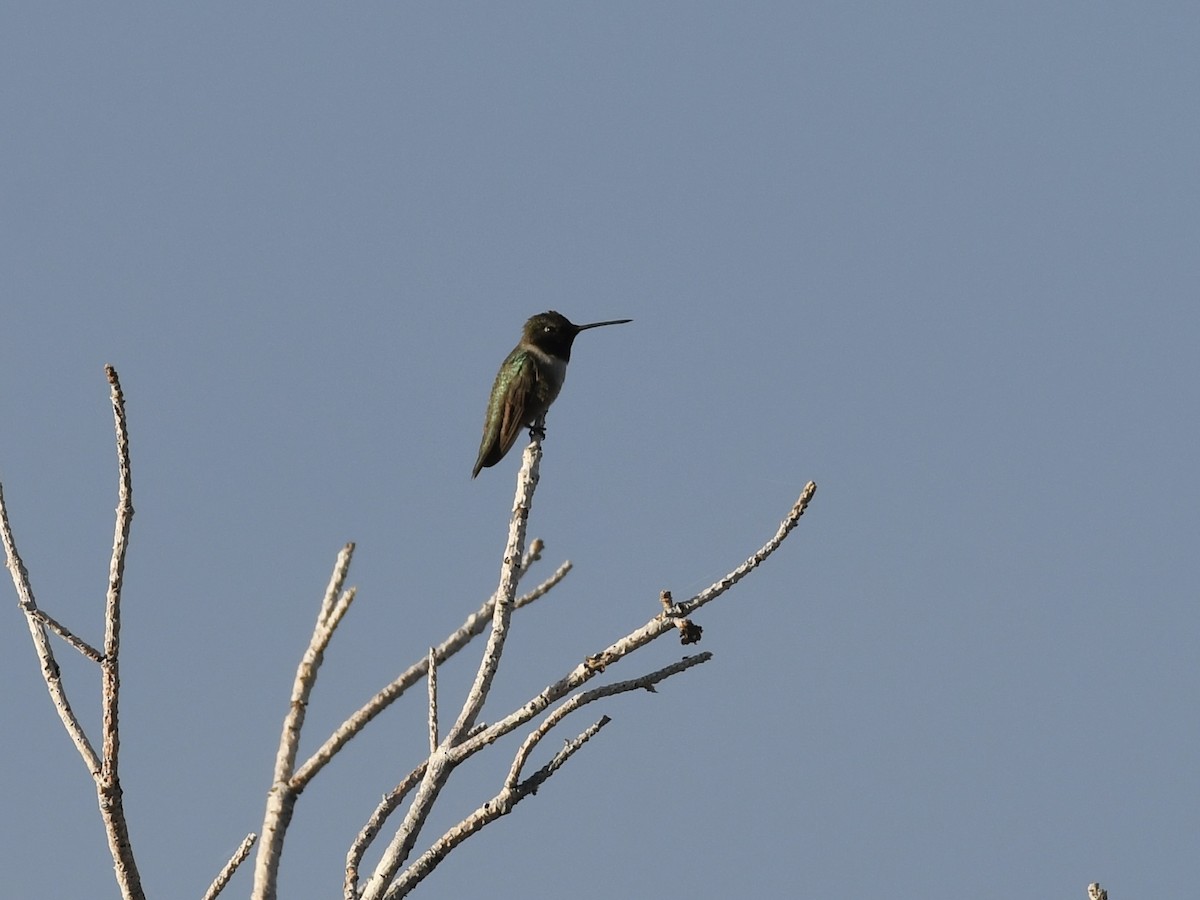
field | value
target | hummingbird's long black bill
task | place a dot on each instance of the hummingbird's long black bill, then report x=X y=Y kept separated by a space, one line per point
x=598 y=324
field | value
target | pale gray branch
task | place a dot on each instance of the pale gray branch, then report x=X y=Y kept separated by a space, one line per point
x=542 y=589
x=646 y=682
x=453 y=749
x=41 y=645
x=515 y=790
x=281 y=799
x=471 y=628
x=104 y=767
x=669 y=619
x=510 y=574
x=433 y=700
x=441 y=762
x=108 y=785
x=392 y=800
x=658 y=626
x=239 y=857
x=389 y=804
x=464 y=738
x=65 y=633
x=790 y=521
x=500 y=805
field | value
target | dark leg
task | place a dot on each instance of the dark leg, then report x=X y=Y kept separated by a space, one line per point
x=537 y=431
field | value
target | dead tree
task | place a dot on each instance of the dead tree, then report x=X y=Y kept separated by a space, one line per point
x=400 y=867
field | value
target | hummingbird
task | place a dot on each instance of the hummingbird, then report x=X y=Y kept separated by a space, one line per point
x=528 y=381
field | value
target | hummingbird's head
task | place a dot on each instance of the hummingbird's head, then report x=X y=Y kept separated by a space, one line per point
x=554 y=333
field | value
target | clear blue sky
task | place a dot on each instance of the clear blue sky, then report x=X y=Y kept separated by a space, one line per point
x=940 y=258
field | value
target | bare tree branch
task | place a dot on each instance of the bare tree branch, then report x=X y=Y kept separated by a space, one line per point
x=239 y=857
x=108 y=784
x=440 y=762
x=104 y=767
x=510 y=574
x=515 y=790
x=471 y=628
x=542 y=589
x=454 y=749
x=669 y=619
x=661 y=624
x=790 y=521
x=433 y=700
x=422 y=786
x=65 y=633
x=389 y=804
x=281 y=799
x=500 y=805
x=41 y=644
x=646 y=682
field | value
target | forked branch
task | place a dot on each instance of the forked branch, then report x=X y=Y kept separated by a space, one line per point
x=515 y=790
x=281 y=799
x=443 y=760
x=449 y=747
x=104 y=767
x=387 y=882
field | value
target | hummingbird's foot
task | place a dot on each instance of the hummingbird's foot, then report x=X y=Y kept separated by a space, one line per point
x=537 y=431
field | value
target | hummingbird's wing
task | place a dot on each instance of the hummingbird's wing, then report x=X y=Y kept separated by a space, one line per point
x=515 y=403
x=510 y=397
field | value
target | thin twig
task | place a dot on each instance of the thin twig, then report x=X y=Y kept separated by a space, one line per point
x=790 y=521
x=646 y=682
x=544 y=588
x=441 y=761
x=450 y=754
x=500 y=805
x=470 y=628
x=388 y=805
x=514 y=790
x=239 y=857
x=108 y=784
x=41 y=645
x=104 y=766
x=281 y=799
x=65 y=633
x=383 y=811
x=668 y=619
x=433 y=700
x=658 y=626
x=510 y=575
